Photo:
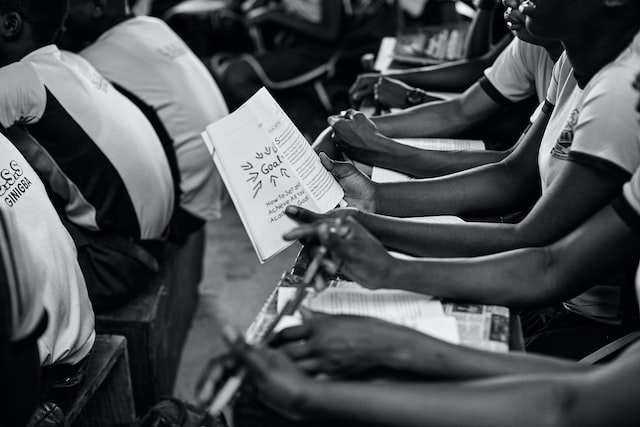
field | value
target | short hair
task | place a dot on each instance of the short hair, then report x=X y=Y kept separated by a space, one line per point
x=46 y=16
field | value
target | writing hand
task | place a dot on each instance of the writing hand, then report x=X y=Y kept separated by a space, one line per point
x=362 y=87
x=351 y=247
x=341 y=345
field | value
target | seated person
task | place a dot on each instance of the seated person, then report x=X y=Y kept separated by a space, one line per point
x=569 y=164
x=47 y=265
x=315 y=30
x=102 y=160
x=455 y=76
x=156 y=66
x=523 y=70
x=491 y=388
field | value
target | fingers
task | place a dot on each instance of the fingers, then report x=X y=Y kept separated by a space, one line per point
x=326 y=162
x=293 y=334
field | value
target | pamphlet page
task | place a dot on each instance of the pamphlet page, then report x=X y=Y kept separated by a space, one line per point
x=267 y=165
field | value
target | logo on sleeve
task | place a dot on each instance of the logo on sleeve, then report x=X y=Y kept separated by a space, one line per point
x=13 y=183
x=563 y=144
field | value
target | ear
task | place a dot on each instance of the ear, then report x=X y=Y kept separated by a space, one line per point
x=99 y=8
x=10 y=24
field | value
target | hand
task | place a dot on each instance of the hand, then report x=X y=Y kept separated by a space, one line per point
x=352 y=249
x=359 y=191
x=391 y=93
x=343 y=345
x=362 y=87
x=357 y=136
x=278 y=382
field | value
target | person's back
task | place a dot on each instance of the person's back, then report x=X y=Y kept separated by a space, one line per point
x=156 y=66
x=52 y=265
x=96 y=148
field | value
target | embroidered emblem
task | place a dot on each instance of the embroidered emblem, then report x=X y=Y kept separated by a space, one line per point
x=563 y=144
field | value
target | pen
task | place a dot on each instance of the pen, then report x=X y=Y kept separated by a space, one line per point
x=231 y=386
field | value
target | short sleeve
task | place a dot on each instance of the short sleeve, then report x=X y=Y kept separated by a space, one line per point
x=512 y=73
x=607 y=130
x=561 y=67
x=22 y=95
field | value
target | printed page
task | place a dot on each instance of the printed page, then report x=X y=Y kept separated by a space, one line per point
x=323 y=192
x=379 y=174
x=259 y=184
x=410 y=309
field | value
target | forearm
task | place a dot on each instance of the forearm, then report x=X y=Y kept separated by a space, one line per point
x=431 y=163
x=482 y=191
x=441 y=240
x=454 y=76
x=525 y=401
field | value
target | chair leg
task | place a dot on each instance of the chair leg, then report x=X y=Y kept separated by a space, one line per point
x=323 y=96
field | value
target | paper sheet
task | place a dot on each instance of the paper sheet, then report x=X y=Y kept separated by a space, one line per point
x=413 y=310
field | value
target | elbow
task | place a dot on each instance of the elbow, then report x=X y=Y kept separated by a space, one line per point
x=559 y=406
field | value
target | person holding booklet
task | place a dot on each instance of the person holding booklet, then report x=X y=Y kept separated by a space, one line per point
x=523 y=70
x=572 y=161
x=481 y=388
x=266 y=165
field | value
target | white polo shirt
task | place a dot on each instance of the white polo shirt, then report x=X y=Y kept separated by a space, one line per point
x=594 y=123
x=96 y=149
x=156 y=66
x=47 y=263
x=520 y=71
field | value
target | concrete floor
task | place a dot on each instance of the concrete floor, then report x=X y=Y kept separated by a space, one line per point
x=235 y=286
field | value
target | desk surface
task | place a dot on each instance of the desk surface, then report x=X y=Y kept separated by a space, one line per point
x=288 y=279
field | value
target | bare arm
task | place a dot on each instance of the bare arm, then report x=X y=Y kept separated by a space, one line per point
x=563 y=396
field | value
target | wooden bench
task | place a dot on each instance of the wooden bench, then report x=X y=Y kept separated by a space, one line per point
x=157 y=322
x=106 y=397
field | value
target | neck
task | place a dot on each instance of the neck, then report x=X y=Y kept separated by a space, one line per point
x=17 y=51
x=554 y=50
x=589 y=53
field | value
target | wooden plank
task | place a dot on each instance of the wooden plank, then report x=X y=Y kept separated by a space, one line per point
x=106 y=398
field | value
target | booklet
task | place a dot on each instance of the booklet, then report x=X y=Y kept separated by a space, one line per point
x=267 y=165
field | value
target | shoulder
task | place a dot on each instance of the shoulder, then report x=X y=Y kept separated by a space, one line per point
x=18 y=74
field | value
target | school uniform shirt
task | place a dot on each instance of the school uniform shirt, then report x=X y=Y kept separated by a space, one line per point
x=156 y=66
x=520 y=71
x=594 y=123
x=46 y=259
x=95 y=149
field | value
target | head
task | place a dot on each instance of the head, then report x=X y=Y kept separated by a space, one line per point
x=88 y=19
x=577 y=20
x=34 y=22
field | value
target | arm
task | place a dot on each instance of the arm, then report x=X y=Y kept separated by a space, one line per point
x=372 y=143
x=564 y=396
x=455 y=76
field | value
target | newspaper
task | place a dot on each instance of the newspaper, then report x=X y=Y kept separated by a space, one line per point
x=480 y=326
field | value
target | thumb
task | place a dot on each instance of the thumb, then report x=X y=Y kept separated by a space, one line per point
x=327 y=162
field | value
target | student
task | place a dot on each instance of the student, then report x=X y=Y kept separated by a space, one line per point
x=48 y=270
x=578 y=161
x=100 y=157
x=481 y=388
x=482 y=48
x=155 y=65
x=522 y=70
